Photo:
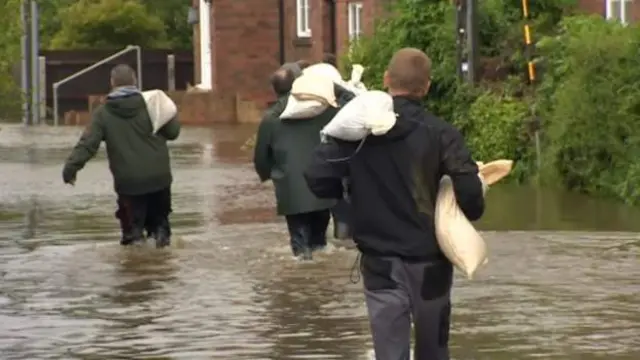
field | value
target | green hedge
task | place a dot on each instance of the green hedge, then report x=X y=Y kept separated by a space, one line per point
x=588 y=98
x=10 y=97
x=590 y=101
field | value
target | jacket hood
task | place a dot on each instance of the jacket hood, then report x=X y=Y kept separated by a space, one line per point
x=410 y=113
x=126 y=102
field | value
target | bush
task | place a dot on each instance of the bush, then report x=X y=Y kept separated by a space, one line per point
x=10 y=96
x=590 y=99
x=492 y=120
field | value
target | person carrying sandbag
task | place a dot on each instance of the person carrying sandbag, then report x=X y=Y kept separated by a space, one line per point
x=394 y=179
x=138 y=159
x=283 y=150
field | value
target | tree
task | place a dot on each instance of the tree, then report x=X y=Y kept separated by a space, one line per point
x=174 y=16
x=108 y=24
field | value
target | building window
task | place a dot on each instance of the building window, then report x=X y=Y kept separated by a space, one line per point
x=355 y=20
x=302 y=18
x=619 y=10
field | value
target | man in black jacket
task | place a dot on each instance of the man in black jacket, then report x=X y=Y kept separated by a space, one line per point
x=138 y=159
x=394 y=179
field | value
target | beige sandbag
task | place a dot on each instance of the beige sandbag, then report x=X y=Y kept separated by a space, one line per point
x=160 y=107
x=458 y=239
x=311 y=95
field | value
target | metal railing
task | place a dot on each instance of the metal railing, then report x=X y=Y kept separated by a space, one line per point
x=56 y=85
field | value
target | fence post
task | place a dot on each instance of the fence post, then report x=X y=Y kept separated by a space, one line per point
x=35 y=62
x=26 y=74
x=171 y=72
x=43 y=87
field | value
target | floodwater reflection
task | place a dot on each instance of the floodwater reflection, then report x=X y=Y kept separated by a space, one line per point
x=562 y=282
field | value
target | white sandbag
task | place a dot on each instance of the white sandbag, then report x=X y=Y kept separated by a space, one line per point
x=356 y=77
x=302 y=109
x=457 y=238
x=314 y=87
x=368 y=113
x=160 y=107
x=311 y=95
x=330 y=72
x=324 y=70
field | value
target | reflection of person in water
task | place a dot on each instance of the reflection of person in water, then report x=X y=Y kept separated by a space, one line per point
x=140 y=275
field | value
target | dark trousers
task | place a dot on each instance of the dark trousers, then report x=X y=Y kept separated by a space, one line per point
x=308 y=231
x=398 y=292
x=149 y=212
x=341 y=220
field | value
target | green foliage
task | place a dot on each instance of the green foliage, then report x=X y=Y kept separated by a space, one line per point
x=173 y=13
x=108 y=24
x=590 y=99
x=494 y=126
x=426 y=25
x=9 y=57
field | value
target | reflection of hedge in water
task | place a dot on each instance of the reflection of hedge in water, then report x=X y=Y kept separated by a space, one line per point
x=589 y=97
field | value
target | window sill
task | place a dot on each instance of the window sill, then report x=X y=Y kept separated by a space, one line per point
x=302 y=41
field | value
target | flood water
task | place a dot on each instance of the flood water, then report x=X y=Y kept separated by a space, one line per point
x=563 y=281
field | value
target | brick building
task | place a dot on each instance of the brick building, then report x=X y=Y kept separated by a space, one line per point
x=623 y=10
x=249 y=39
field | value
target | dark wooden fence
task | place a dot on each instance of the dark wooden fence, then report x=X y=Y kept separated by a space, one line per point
x=74 y=94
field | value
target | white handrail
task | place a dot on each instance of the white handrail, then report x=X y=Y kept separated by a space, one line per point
x=57 y=84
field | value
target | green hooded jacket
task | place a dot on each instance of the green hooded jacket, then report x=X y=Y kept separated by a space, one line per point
x=139 y=160
x=282 y=153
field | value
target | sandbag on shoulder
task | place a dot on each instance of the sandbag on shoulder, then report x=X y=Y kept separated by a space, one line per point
x=160 y=107
x=368 y=113
x=329 y=71
x=457 y=238
x=311 y=94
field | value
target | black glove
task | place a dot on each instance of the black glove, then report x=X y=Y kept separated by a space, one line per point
x=68 y=176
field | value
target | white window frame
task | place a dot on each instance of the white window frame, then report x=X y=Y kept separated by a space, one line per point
x=303 y=14
x=622 y=15
x=355 y=15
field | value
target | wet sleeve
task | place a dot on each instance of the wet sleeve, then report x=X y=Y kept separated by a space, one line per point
x=87 y=146
x=171 y=130
x=329 y=166
x=456 y=161
x=263 y=161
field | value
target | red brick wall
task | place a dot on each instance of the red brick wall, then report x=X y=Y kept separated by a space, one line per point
x=244 y=46
x=600 y=7
x=245 y=40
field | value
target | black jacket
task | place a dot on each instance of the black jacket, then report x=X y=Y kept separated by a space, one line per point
x=394 y=181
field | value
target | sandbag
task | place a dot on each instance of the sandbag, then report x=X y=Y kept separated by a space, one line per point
x=160 y=107
x=457 y=238
x=330 y=72
x=368 y=113
x=302 y=109
x=356 y=77
x=311 y=95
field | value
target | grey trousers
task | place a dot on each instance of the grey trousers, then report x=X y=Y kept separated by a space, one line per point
x=398 y=292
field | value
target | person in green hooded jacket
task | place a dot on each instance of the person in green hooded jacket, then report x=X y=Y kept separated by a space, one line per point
x=138 y=159
x=282 y=152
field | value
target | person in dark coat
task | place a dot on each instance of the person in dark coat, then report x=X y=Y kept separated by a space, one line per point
x=282 y=152
x=393 y=183
x=138 y=159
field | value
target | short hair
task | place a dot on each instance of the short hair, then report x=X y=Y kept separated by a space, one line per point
x=123 y=75
x=282 y=80
x=303 y=64
x=330 y=59
x=409 y=70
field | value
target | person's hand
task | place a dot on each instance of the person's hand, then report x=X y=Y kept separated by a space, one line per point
x=68 y=176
